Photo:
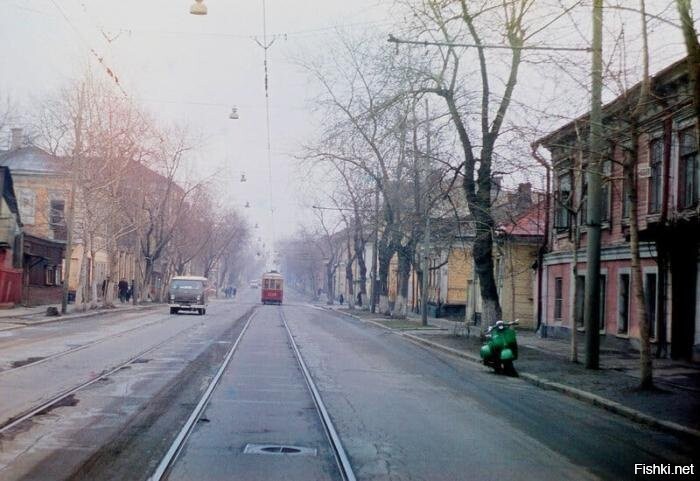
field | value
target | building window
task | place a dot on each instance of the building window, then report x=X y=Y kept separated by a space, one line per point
x=626 y=204
x=605 y=192
x=580 y=298
x=656 y=151
x=558 y=298
x=650 y=290
x=27 y=200
x=603 y=299
x=57 y=219
x=583 y=209
x=50 y=275
x=623 y=303
x=564 y=198
x=688 y=169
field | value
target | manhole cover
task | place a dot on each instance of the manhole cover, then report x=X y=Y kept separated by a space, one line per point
x=279 y=449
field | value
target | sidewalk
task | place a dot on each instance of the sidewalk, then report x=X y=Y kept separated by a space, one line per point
x=29 y=316
x=674 y=406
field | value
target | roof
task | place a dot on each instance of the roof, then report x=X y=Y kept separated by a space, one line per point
x=529 y=224
x=674 y=69
x=189 y=278
x=31 y=159
x=272 y=274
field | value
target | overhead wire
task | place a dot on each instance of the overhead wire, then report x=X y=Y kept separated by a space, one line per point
x=100 y=59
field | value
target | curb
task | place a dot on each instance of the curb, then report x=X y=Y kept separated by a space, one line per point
x=69 y=317
x=585 y=396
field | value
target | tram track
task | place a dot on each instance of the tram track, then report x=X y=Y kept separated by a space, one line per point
x=81 y=347
x=55 y=400
x=341 y=457
x=333 y=437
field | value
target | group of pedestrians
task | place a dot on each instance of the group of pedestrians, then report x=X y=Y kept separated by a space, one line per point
x=229 y=292
x=125 y=290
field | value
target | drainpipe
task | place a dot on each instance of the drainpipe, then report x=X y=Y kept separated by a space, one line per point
x=545 y=241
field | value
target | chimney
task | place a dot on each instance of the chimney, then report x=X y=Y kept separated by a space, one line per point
x=16 y=139
x=525 y=190
x=524 y=198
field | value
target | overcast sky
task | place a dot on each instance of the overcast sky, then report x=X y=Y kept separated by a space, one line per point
x=193 y=69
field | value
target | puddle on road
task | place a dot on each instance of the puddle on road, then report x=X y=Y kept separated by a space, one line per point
x=68 y=401
x=24 y=362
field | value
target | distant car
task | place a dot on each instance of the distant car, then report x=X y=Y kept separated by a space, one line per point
x=188 y=293
x=254 y=284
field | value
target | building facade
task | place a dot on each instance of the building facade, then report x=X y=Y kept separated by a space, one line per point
x=664 y=155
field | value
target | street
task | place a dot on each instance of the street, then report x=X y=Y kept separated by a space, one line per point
x=400 y=411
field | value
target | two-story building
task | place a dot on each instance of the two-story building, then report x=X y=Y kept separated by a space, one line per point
x=10 y=243
x=39 y=184
x=668 y=180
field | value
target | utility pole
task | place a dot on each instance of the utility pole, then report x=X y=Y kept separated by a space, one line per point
x=593 y=215
x=426 y=240
x=375 y=251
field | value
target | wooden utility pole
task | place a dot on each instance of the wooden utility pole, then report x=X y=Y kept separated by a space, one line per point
x=593 y=216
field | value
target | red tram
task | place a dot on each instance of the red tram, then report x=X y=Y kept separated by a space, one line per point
x=272 y=288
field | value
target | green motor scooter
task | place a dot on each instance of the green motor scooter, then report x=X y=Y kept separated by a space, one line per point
x=501 y=348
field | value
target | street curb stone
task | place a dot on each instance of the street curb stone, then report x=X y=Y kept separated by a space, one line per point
x=585 y=396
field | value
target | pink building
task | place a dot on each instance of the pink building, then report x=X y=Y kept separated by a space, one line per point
x=667 y=177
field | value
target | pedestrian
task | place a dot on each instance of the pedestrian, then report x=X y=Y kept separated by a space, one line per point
x=341 y=299
x=122 y=287
x=234 y=292
x=359 y=299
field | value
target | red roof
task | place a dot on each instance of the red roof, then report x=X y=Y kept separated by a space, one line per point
x=529 y=223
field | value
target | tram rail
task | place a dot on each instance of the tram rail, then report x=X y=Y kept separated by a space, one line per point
x=33 y=411
x=332 y=436
x=88 y=344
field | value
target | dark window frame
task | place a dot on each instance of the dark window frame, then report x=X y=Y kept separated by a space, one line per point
x=656 y=160
x=687 y=160
x=624 y=302
x=564 y=202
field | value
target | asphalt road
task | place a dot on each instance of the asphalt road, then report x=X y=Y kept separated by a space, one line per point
x=116 y=428
x=405 y=412
x=402 y=412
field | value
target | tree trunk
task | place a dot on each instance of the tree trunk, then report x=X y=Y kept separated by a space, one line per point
x=362 y=266
x=400 y=307
x=112 y=275
x=80 y=292
x=349 y=277
x=385 y=256
x=94 y=302
x=483 y=264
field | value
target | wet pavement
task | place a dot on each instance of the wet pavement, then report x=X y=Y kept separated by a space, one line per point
x=676 y=398
x=262 y=401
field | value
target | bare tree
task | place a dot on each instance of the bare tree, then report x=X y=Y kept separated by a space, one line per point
x=446 y=21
